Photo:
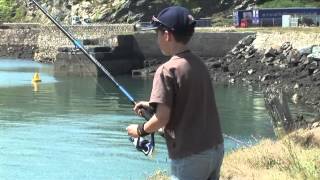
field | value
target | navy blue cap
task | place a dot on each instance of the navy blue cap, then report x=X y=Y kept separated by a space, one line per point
x=174 y=18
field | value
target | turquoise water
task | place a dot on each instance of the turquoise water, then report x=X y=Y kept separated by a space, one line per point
x=74 y=127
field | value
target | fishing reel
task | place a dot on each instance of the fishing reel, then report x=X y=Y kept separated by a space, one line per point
x=146 y=146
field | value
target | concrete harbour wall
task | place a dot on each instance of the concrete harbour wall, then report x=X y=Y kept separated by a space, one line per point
x=51 y=38
x=215 y=44
x=45 y=40
x=18 y=41
x=41 y=43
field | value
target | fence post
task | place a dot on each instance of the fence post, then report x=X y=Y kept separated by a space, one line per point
x=272 y=22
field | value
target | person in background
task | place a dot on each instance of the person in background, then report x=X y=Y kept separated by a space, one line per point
x=184 y=102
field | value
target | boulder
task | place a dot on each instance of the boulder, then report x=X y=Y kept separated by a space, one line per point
x=271 y=52
x=266 y=77
x=247 y=40
x=314 y=56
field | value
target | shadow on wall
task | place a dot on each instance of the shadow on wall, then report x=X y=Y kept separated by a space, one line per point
x=202 y=44
x=119 y=59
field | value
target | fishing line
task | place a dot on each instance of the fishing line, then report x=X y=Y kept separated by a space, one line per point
x=78 y=59
x=146 y=114
x=92 y=76
x=237 y=141
x=146 y=148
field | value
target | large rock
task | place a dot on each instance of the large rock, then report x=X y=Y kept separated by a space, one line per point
x=243 y=4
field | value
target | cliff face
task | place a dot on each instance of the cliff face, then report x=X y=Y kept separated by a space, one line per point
x=116 y=11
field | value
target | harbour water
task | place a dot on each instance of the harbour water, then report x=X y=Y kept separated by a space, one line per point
x=74 y=127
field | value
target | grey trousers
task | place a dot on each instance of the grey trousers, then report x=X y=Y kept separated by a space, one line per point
x=202 y=166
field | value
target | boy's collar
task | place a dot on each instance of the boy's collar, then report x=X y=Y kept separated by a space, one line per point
x=182 y=52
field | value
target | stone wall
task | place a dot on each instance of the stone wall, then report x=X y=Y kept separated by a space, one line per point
x=215 y=44
x=51 y=38
x=41 y=42
x=121 y=59
x=131 y=48
x=18 y=41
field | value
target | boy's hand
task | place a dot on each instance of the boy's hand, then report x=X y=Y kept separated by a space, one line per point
x=132 y=130
x=141 y=106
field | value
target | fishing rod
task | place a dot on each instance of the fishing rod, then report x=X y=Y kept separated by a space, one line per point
x=141 y=144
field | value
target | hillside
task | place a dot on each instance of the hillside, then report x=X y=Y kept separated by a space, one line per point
x=289 y=3
x=130 y=11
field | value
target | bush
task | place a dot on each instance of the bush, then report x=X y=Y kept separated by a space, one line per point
x=195 y=4
x=20 y=13
x=288 y=3
x=6 y=9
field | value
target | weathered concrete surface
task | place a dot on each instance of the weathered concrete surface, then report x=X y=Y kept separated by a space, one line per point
x=79 y=65
x=117 y=60
x=18 y=41
x=51 y=38
x=203 y=44
x=42 y=43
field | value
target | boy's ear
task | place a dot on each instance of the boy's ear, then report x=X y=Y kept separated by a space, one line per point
x=168 y=35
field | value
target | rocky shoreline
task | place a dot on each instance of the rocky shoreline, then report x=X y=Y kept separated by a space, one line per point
x=282 y=67
x=294 y=73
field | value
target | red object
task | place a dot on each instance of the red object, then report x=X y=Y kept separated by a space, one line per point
x=244 y=23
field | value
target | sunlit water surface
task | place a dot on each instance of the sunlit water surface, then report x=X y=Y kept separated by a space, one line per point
x=74 y=127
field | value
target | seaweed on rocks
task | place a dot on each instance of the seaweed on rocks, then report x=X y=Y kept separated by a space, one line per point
x=282 y=68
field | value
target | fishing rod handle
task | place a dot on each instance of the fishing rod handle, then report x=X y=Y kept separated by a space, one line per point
x=147 y=113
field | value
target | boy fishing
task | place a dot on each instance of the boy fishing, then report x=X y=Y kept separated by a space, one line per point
x=184 y=102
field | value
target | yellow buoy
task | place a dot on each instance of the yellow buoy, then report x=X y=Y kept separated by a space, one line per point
x=36 y=77
x=35 y=86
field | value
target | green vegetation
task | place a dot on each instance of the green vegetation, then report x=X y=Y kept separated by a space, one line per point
x=288 y=3
x=221 y=20
x=186 y=3
x=12 y=11
x=197 y=6
x=20 y=14
x=6 y=9
x=15 y=10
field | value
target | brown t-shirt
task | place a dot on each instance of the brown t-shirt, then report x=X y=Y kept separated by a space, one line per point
x=183 y=83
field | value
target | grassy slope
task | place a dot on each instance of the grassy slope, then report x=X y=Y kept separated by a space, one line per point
x=12 y=11
x=289 y=3
x=295 y=157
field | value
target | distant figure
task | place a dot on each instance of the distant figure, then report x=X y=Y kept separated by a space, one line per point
x=184 y=102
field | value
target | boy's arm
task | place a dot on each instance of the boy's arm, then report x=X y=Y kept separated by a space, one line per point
x=157 y=121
